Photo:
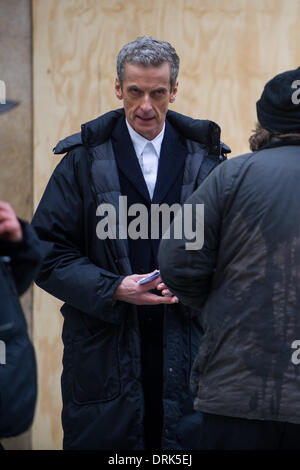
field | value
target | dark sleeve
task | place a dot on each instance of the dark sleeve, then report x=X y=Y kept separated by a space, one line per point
x=187 y=266
x=25 y=257
x=66 y=272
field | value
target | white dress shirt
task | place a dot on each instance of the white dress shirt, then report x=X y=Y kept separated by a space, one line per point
x=148 y=153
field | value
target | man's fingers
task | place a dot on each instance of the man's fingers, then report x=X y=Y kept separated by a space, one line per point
x=140 y=294
x=148 y=285
x=167 y=293
x=164 y=289
x=10 y=230
x=5 y=205
x=6 y=210
x=7 y=226
x=159 y=285
x=149 y=298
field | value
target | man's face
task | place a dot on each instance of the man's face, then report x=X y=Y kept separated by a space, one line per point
x=146 y=96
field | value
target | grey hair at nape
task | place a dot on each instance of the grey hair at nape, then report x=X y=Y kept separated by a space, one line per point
x=148 y=51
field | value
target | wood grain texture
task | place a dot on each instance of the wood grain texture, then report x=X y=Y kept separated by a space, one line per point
x=228 y=50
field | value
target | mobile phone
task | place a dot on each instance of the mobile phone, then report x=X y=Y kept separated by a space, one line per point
x=150 y=278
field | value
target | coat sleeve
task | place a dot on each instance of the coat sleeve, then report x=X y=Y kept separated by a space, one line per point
x=67 y=273
x=187 y=268
x=25 y=257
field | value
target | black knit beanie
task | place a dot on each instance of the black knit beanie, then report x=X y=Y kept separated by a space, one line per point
x=278 y=109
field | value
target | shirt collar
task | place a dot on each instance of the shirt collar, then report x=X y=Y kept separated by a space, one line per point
x=139 y=142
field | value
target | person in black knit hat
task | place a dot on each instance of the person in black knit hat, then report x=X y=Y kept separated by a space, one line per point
x=245 y=281
x=278 y=110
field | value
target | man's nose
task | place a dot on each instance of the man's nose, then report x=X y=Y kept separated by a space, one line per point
x=146 y=104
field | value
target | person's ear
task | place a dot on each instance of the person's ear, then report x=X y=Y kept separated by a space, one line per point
x=118 y=89
x=173 y=93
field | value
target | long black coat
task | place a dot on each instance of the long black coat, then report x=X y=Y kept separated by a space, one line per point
x=19 y=265
x=101 y=380
x=244 y=282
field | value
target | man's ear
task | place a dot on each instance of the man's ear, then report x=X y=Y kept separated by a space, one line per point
x=173 y=93
x=118 y=89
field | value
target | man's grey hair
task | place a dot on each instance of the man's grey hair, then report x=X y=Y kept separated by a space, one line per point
x=148 y=51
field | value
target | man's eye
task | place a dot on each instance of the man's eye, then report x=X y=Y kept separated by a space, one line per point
x=134 y=91
x=159 y=92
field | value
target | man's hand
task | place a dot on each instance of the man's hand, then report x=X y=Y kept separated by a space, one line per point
x=139 y=294
x=164 y=290
x=10 y=228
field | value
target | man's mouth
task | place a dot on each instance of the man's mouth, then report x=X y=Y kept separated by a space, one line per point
x=145 y=119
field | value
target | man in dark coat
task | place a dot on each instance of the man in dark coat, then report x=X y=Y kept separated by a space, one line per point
x=244 y=281
x=20 y=259
x=127 y=348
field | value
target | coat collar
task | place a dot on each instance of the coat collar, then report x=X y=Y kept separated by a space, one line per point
x=172 y=158
x=280 y=143
x=126 y=158
x=96 y=132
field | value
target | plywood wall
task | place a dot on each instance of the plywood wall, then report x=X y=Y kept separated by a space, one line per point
x=228 y=50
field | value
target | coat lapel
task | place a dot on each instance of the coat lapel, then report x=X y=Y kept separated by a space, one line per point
x=127 y=160
x=171 y=161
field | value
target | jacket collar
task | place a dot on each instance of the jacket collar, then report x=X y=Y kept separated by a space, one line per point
x=96 y=132
x=280 y=143
x=172 y=159
x=126 y=158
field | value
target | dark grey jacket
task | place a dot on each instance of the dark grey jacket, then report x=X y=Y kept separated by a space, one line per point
x=245 y=283
x=101 y=381
x=19 y=265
